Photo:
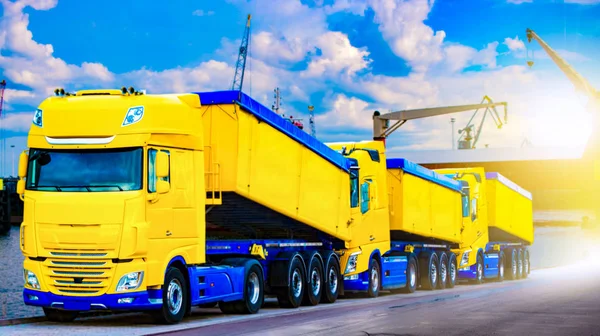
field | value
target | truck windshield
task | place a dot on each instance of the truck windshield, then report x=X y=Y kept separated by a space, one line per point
x=85 y=170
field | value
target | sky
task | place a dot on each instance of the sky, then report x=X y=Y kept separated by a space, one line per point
x=347 y=58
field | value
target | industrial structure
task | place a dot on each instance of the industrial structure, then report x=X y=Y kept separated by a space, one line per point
x=240 y=65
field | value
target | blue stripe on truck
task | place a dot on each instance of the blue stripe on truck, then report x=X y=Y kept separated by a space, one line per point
x=412 y=168
x=276 y=121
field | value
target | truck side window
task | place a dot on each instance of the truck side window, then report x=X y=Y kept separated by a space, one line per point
x=474 y=209
x=353 y=188
x=365 y=197
x=151 y=169
x=465 y=206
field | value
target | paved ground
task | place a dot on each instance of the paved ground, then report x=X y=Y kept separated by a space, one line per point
x=557 y=301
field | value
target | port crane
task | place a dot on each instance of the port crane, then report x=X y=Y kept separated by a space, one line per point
x=592 y=150
x=381 y=122
x=240 y=65
x=464 y=142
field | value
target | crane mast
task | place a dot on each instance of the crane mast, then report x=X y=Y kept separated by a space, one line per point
x=240 y=65
x=2 y=138
x=592 y=151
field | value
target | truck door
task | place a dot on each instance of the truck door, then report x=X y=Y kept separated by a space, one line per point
x=159 y=211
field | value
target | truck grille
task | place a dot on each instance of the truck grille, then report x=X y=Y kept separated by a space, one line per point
x=81 y=277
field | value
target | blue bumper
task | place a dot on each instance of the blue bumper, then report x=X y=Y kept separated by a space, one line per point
x=146 y=300
x=357 y=285
x=471 y=274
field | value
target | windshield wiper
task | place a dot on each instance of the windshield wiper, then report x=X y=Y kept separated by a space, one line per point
x=86 y=187
x=107 y=186
x=38 y=187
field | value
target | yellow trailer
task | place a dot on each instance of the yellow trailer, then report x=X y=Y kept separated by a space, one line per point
x=423 y=203
x=510 y=211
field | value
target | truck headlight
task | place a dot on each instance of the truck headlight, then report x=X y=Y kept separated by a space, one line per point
x=351 y=265
x=130 y=281
x=30 y=279
x=465 y=258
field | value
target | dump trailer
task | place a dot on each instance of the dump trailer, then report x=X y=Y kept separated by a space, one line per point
x=163 y=202
x=501 y=215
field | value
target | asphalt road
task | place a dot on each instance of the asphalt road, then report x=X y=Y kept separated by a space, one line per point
x=556 y=301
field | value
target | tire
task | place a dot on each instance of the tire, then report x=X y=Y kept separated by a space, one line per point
x=314 y=283
x=443 y=271
x=479 y=270
x=519 y=264
x=526 y=264
x=254 y=293
x=430 y=271
x=175 y=298
x=331 y=290
x=500 y=267
x=374 y=278
x=291 y=295
x=411 y=276
x=56 y=315
x=511 y=264
x=452 y=270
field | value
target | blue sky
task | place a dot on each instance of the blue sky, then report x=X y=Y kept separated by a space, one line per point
x=345 y=57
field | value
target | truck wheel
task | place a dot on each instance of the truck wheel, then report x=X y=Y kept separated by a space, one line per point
x=331 y=290
x=511 y=264
x=519 y=264
x=443 y=273
x=526 y=264
x=500 y=267
x=174 y=297
x=452 y=270
x=56 y=315
x=315 y=282
x=479 y=272
x=374 y=278
x=291 y=295
x=429 y=276
x=411 y=276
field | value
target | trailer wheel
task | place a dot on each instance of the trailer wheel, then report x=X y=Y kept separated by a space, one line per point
x=443 y=272
x=500 y=267
x=511 y=263
x=291 y=295
x=374 y=278
x=526 y=264
x=174 y=298
x=452 y=270
x=429 y=275
x=315 y=283
x=56 y=315
x=331 y=290
x=411 y=275
x=519 y=264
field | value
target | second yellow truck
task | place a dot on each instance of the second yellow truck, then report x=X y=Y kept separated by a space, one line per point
x=163 y=202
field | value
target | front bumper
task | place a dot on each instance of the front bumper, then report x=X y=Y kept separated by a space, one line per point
x=360 y=283
x=469 y=274
x=145 y=300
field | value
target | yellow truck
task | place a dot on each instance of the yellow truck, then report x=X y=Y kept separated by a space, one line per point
x=160 y=203
x=163 y=202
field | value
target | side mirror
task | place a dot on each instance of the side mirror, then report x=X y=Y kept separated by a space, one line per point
x=162 y=187
x=23 y=161
x=162 y=165
x=21 y=187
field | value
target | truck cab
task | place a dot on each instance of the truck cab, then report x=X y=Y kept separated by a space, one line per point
x=471 y=251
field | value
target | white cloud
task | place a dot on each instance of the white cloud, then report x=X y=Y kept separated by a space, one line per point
x=514 y=44
x=16 y=122
x=33 y=64
x=401 y=24
x=338 y=56
x=271 y=48
x=346 y=112
x=201 y=12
